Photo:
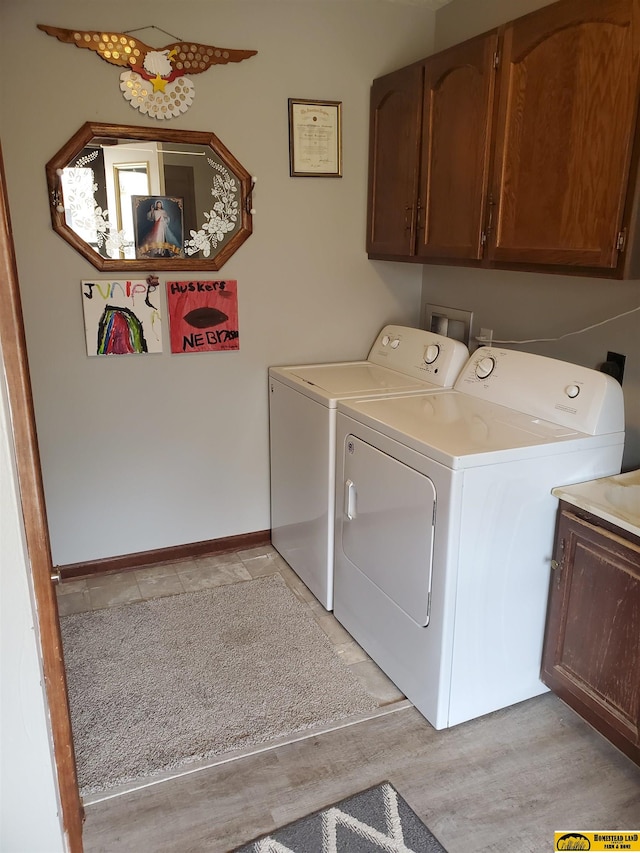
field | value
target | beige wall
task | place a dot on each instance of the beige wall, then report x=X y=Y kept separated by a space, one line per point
x=463 y=19
x=522 y=306
x=145 y=452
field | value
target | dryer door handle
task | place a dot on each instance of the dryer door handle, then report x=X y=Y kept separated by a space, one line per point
x=350 y=499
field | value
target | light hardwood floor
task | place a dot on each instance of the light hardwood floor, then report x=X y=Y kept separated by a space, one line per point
x=501 y=783
x=504 y=782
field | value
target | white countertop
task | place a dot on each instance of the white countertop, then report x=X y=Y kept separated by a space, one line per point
x=615 y=499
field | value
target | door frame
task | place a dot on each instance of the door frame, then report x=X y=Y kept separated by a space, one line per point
x=14 y=352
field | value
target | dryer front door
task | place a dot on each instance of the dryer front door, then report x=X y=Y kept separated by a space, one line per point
x=388 y=528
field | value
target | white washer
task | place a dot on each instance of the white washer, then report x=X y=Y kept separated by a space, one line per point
x=445 y=523
x=302 y=419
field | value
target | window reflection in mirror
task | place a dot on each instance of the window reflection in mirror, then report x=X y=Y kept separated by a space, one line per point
x=131 y=179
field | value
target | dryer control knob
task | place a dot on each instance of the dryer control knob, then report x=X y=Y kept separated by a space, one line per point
x=385 y=341
x=431 y=353
x=485 y=367
x=572 y=391
x=395 y=343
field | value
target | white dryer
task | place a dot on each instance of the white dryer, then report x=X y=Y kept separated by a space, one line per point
x=302 y=420
x=445 y=523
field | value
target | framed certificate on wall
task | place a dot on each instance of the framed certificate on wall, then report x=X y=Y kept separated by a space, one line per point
x=315 y=138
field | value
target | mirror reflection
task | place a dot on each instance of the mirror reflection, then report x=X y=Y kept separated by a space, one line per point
x=146 y=200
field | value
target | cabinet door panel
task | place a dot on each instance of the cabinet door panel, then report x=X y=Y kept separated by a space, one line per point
x=566 y=121
x=396 y=107
x=458 y=99
x=591 y=655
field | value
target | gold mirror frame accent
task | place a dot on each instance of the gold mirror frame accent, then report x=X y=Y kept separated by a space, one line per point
x=89 y=131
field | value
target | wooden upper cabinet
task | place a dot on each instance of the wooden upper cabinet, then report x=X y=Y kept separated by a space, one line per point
x=458 y=100
x=564 y=134
x=533 y=166
x=396 y=106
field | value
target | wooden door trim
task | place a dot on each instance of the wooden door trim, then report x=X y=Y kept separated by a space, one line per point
x=14 y=353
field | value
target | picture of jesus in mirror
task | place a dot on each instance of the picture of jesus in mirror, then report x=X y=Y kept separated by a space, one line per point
x=158 y=226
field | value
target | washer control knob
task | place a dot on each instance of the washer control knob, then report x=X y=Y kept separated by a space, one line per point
x=385 y=341
x=572 y=391
x=485 y=367
x=431 y=353
x=395 y=343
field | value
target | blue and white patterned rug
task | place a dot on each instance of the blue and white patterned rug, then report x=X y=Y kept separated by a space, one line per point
x=377 y=819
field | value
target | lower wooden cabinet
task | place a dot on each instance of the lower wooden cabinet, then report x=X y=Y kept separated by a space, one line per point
x=591 y=656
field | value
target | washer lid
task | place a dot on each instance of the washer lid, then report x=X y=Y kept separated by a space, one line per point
x=462 y=432
x=330 y=382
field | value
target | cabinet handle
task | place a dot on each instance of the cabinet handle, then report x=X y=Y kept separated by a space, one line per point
x=556 y=566
x=408 y=217
x=491 y=205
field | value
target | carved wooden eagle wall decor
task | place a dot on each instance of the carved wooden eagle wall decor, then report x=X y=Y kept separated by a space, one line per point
x=155 y=80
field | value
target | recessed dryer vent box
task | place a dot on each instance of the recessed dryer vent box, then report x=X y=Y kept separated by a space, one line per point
x=452 y=322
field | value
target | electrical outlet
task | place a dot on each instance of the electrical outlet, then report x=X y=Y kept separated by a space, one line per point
x=614 y=365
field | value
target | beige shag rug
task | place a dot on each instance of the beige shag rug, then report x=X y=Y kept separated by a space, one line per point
x=160 y=684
